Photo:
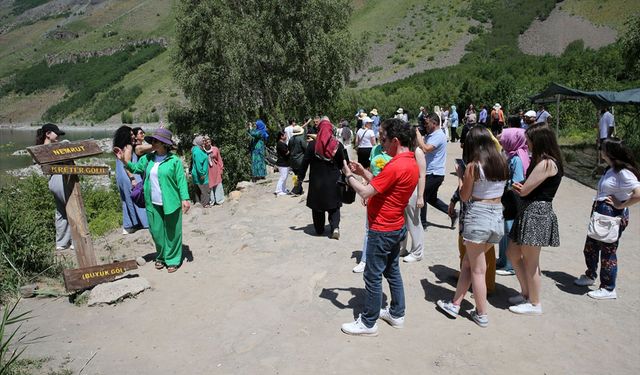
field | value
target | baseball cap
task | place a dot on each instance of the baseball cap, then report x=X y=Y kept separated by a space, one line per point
x=530 y=114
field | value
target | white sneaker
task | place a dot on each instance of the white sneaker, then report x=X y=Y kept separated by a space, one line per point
x=411 y=259
x=584 y=280
x=358 y=328
x=281 y=193
x=359 y=268
x=449 y=308
x=503 y=272
x=517 y=300
x=128 y=231
x=603 y=293
x=393 y=322
x=481 y=320
x=335 y=234
x=526 y=309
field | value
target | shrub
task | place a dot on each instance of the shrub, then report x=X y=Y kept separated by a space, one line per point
x=114 y=101
x=126 y=117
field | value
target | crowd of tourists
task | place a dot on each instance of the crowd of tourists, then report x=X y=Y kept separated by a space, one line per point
x=508 y=176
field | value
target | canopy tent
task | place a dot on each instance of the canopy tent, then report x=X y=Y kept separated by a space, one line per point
x=556 y=92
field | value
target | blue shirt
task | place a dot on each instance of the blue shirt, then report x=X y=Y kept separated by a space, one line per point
x=376 y=125
x=436 y=158
x=483 y=116
x=515 y=165
x=453 y=117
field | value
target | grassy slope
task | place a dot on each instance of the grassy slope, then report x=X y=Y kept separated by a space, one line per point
x=406 y=31
x=603 y=12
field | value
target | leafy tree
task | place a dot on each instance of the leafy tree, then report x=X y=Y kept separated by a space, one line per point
x=631 y=45
x=241 y=59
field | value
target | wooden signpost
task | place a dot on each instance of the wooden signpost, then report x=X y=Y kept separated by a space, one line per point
x=89 y=273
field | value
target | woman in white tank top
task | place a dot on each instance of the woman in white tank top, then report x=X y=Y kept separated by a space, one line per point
x=481 y=184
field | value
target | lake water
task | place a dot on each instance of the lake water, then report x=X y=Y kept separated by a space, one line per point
x=12 y=140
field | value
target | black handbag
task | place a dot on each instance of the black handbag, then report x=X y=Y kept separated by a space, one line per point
x=510 y=200
x=347 y=194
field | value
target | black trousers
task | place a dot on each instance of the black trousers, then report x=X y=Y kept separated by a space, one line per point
x=363 y=156
x=318 y=219
x=454 y=134
x=432 y=184
x=297 y=189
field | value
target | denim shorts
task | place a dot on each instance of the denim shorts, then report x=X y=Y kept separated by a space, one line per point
x=483 y=223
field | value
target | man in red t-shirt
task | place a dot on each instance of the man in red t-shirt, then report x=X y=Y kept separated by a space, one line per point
x=388 y=194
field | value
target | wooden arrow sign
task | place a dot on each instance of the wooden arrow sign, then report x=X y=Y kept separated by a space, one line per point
x=74 y=169
x=51 y=153
x=82 y=278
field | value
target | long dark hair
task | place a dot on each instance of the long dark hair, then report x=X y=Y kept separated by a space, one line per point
x=40 y=136
x=479 y=147
x=620 y=155
x=122 y=137
x=543 y=146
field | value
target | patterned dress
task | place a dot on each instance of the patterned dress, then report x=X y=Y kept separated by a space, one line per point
x=258 y=166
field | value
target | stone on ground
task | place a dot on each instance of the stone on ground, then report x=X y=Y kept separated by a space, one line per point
x=114 y=291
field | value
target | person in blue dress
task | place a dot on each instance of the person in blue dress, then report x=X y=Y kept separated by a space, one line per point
x=259 y=136
x=133 y=217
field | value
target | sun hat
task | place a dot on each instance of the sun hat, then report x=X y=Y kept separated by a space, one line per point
x=297 y=130
x=400 y=110
x=362 y=115
x=374 y=112
x=161 y=134
x=497 y=106
x=530 y=114
x=52 y=128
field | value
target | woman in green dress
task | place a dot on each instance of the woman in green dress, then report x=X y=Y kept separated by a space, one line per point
x=259 y=136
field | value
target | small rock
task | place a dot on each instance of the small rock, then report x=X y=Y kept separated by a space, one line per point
x=141 y=262
x=114 y=291
x=243 y=185
x=235 y=195
x=28 y=291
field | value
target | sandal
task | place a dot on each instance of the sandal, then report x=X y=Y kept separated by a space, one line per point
x=159 y=265
x=172 y=269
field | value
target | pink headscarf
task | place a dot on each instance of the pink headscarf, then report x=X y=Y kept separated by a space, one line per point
x=326 y=144
x=514 y=143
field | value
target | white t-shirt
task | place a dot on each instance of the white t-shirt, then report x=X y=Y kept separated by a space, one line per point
x=606 y=122
x=619 y=184
x=156 y=192
x=288 y=131
x=364 y=135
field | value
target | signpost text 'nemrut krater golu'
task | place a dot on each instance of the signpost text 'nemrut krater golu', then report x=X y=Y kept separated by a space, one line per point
x=58 y=159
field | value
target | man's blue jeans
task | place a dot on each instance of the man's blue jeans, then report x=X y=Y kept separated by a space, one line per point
x=383 y=250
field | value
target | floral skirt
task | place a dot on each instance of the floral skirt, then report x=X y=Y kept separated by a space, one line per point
x=535 y=225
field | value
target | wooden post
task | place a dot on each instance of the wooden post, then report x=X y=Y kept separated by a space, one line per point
x=78 y=222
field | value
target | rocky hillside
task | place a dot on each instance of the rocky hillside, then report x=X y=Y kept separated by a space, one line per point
x=403 y=37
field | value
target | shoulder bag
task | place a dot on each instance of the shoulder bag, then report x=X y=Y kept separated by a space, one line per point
x=604 y=228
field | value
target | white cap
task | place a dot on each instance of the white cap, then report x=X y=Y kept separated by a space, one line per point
x=366 y=120
x=530 y=113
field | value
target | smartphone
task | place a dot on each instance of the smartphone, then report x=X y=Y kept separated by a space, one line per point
x=461 y=165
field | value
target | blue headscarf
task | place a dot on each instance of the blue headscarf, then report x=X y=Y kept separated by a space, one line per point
x=260 y=125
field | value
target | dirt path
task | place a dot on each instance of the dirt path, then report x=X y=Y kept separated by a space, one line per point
x=262 y=295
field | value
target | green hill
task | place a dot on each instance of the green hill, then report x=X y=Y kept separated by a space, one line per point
x=91 y=42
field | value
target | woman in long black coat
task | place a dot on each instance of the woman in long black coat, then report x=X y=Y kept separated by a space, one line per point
x=325 y=160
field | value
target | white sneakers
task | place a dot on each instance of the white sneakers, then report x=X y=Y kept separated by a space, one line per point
x=129 y=231
x=449 y=308
x=603 y=293
x=584 y=280
x=411 y=259
x=526 y=308
x=393 y=322
x=359 y=268
x=335 y=234
x=358 y=328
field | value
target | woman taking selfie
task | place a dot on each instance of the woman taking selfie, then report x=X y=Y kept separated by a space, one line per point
x=481 y=185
